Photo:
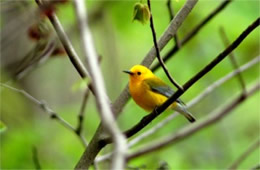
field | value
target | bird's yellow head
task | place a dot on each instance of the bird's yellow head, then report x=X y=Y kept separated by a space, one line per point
x=138 y=73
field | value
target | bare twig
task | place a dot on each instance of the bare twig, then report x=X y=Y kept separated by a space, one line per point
x=96 y=143
x=147 y=119
x=171 y=14
x=232 y=57
x=46 y=109
x=193 y=128
x=106 y=114
x=245 y=154
x=81 y=112
x=193 y=32
x=36 y=159
x=158 y=52
x=74 y=58
x=223 y=80
x=194 y=101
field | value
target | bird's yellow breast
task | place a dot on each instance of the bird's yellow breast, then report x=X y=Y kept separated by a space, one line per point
x=144 y=96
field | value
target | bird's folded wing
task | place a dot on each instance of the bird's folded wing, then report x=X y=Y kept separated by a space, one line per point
x=158 y=86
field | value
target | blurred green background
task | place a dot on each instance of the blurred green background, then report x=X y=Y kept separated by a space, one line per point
x=123 y=43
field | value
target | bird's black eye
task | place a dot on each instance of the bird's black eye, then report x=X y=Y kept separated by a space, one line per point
x=138 y=73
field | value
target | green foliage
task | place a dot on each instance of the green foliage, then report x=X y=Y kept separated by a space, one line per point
x=141 y=13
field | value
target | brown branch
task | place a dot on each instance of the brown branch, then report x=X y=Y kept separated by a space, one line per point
x=193 y=32
x=171 y=14
x=96 y=143
x=74 y=58
x=157 y=50
x=81 y=112
x=47 y=109
x=245 y=154
x=193 y=128
x=147 y=119
x=232 y=57
x=102 y=100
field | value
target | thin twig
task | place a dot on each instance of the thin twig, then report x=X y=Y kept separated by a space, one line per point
x=245 y=154
x=96 y=143
x=46 y=109
x=147 y=119
x=171 y=14
x=232 y=57
x=194 y=101
x=193 y=32
x=219 y=82
x=193 y=128
x=36 y=159
x=158 y=51
x=108 y=120
x=74 y=58
x=82 y=110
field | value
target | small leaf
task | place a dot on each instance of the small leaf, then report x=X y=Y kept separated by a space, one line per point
x=3 y=127
x=141 y=13
x=81 y=84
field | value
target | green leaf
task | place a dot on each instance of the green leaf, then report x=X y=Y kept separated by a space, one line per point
x=3 y=127
x=80 y=85
x=141 y=13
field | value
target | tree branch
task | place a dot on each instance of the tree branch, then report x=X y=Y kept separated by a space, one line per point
x=96 y=143
x=232 y=57
x=147 y=119
x=81 y=112
x=194 y=101
x=46 y=109
x=157 y=50
x=74 y=58
x=171 y=14
x=193 y=32
x=106 y=114
x=245 y=154
x=193 y=128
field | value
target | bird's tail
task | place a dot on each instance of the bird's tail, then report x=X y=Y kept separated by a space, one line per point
x=182 y=110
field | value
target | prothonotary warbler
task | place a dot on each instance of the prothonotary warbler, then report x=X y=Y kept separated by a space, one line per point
x=149 y=92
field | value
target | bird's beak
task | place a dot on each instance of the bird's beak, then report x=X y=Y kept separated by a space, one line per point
x=128 y=72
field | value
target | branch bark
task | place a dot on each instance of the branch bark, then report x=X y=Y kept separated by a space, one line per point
x=47 y=109
x=108 y=121
x=245 y=154
x=193 y=32
x=158 y=52
x=194 y=101
x=147 y=119
x=193 y=128
x=96 y=143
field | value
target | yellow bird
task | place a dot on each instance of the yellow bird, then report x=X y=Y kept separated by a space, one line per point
x=149 y=92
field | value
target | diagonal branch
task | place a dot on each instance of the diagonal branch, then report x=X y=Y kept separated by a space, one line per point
x=46 y=109
x=108 y=120
x=74 y=58
x=194 y=101
x=96 y=143
x=245 y=154
x=158 y=52
x=147 y=119
x=193 y=128
x=171 y=13
x=193 y=32
x=232 y=57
